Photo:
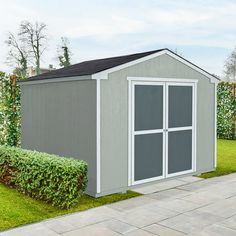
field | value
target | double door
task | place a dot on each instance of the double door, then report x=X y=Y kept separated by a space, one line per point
x=163 y=141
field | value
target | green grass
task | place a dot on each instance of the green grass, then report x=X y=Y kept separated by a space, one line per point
x=17 y=209
x=226 y=159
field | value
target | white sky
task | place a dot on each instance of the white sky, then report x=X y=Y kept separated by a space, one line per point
x=203 y=31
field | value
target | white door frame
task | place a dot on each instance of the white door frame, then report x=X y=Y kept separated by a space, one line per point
x=164 y=82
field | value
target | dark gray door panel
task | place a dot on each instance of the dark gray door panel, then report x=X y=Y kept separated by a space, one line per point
x=179 y=151
x=180 y=106
x=148 y=107
x=148 y=156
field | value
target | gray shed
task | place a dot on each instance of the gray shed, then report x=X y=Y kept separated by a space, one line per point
x=134 y=119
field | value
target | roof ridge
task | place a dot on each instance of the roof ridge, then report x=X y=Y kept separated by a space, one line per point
x=133 y=54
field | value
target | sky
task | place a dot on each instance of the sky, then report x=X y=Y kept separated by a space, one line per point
x=202 y=31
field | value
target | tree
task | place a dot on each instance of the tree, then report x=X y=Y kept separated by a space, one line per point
x=230 y=67
x=34 y=36
x=64 y=54
x=17 y=55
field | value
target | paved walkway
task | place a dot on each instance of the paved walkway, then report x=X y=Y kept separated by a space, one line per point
x=187 y=206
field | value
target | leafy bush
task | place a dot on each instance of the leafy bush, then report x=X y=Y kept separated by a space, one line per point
x=226 y=110
x=9 y=110
x=57 y=180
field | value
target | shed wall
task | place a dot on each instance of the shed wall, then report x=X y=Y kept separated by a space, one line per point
x=114 y=118
x=60 y=118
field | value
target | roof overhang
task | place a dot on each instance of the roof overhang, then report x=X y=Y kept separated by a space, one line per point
x=55 y=80
x=104 y=74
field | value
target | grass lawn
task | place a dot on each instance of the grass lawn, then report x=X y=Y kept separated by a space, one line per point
x=226 y=159
x=17 y=209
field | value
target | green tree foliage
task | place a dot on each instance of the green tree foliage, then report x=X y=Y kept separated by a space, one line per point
x=9 y=111
x=64 y=54
x=226 y=110
x=230 y=67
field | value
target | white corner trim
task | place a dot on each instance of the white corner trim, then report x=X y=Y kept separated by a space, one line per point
x=195 y=121
x=98 y=138
x=129 y=133
x=215 y=126
x=104 y=74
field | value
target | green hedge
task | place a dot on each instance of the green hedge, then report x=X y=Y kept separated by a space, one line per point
x=57 y=180
x=226 y=111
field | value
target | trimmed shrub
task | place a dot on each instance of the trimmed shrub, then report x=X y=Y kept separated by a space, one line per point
x=57 y=180
x=226 y=110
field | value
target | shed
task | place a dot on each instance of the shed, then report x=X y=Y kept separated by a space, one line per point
x=134 y=119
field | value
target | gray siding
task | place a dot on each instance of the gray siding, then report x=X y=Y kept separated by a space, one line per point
x=114 y=118
x=60 y=118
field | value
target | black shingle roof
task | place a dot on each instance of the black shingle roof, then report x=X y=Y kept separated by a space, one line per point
x=91 y=67
x=95 y=66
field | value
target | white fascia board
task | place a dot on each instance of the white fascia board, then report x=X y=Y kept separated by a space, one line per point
x=104 y=74
x=55 y=80
x=212 y=78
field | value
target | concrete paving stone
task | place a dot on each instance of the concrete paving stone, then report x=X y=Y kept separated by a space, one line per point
x=222 y=190
x=191 y=222
x=190 y=179
x=224 y=208
x=142 y=217
x=154 y=207
x=226 y=178
x=91 y=216
x=30 y=230
x=198 y=186
x=58 y=225
x=92 y=230
x=230 y=222
x=170 y=193
x=202 y=198
x=158 y=196
x=177 y=205
x=118 y=226
x=147 y=189
x=162 y=230
x=139 y=232
x=204 y=218
x=181 y=223
x=131 y=204
x=218 y=181
x=168 y=184
x=215 y=230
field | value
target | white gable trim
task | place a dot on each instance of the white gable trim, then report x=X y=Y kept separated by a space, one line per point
x=104 y=74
